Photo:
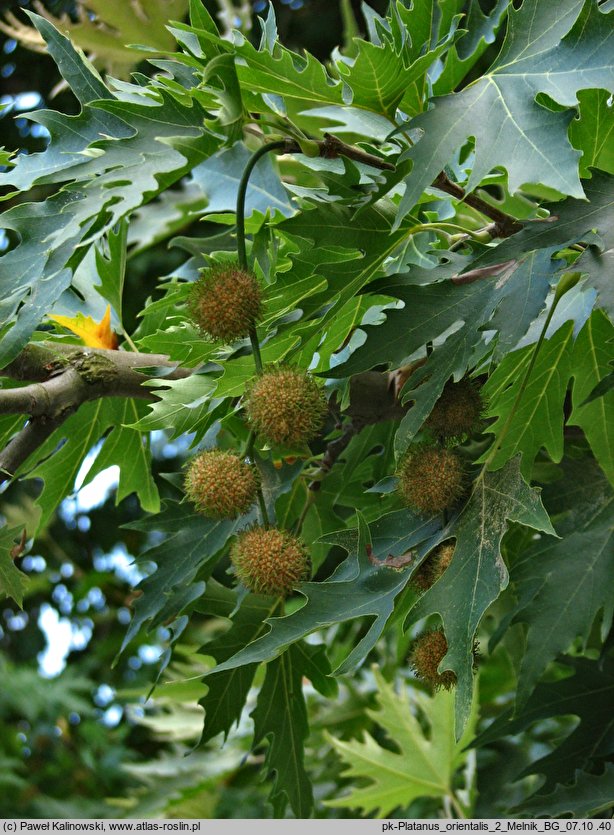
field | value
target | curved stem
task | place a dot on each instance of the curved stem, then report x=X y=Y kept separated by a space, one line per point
x=253 y=338
x=443 y=227
x=241 y=249
x=249 y=446
x=263 y=510
x=271 y=146
x=456 y=806
x=309 y=500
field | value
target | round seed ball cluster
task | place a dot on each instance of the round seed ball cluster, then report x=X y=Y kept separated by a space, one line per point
x=433 y=567
x=431 y=479
x=270 y=561
x=428 y=653
x=220 y=484
x=286 y=407
x=458 y=410
x=225 y=302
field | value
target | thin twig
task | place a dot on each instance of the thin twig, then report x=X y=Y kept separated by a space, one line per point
x=505 y=225
x=32 y=436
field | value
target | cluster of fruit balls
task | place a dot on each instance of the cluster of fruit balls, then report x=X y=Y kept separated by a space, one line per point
x=285 y=406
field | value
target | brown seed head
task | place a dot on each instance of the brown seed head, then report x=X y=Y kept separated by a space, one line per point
x=428 y=653
x=270 y=561
x=220 y=484
x=225 y=302
x=431 y=479
x=458 y=410
x=286 y=406
x=433 y=567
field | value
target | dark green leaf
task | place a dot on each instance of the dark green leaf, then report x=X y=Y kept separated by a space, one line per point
x=477 y=574
x=536 y=420
x=587 y=694
x=227 y=691
x=191 y=546
x=281 y=715
x=592 y=359
x=587 y=796
x=563 y=584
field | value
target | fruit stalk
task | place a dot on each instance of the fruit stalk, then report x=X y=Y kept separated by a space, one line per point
x=240 y=214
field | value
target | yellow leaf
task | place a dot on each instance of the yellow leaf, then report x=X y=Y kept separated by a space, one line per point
x=94 y=335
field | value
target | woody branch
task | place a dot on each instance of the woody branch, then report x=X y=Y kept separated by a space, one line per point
x=62 y=378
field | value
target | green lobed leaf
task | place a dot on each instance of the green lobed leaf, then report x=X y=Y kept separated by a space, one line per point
x=535 y=421
x=587 y=694
x=380 y=75
x=571 y=221
x=33 y=272
x=564 y=584
x=273 y=69
x=190 y=548
x=128 y=448
x=592 y=132
x=70 y=135
x=227 y=691
x=13 y=582
x=420 y=766
x=468 y=49
x=537 y=57
x=184 y=405
x=477 y=574
x=111 y=267
x=591 y=363
x=281 y=715
x=58 y=461
x=368 y=241
x=588 y=796
x=429 y=313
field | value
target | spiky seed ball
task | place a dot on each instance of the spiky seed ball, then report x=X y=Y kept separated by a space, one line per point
x=428 y=653
x=286 y=406
x=458 y=410
x=270 y=561
x=225 y=302
x=431 y=479
x=433 y=567
x=220 y=484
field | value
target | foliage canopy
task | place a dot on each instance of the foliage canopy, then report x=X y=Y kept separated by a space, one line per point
x=413 y=217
